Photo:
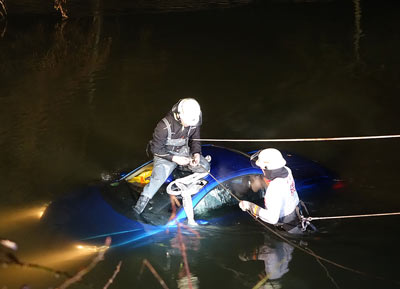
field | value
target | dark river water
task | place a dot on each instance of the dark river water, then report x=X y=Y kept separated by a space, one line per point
x=79 y=99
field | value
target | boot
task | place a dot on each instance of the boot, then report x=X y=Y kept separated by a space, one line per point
x=141 y=204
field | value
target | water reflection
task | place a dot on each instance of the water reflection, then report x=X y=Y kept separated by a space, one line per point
x=3 y=18
x=79 y=8
x=185 y=243
x=3 y=10
x=276 y=255
x=12 y=219
x=184 y=282
x=71 y=107
x=234 y=254
x=39 y=104
x=357 y=28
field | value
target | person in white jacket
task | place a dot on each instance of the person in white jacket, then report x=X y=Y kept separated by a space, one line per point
x=281 y=199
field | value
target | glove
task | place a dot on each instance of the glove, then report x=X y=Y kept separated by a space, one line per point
x=244 y=205
x=243 y=257
x=195 y=160
x=182 y=161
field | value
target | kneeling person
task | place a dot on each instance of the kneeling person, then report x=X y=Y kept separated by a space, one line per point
x=173 y=144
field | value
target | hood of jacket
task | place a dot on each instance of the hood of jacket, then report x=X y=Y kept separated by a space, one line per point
x=278 y=173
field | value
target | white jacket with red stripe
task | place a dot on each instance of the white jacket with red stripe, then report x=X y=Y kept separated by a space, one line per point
x=280 y=199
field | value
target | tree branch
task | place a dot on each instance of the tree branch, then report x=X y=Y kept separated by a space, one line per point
x=78 y=276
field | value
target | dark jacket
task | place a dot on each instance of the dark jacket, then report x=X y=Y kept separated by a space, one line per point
x=158 y=143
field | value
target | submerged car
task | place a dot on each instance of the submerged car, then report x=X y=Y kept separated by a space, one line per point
x=105 y=209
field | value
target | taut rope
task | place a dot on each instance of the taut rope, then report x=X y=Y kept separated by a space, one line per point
x=302 y=139
x=351 y=216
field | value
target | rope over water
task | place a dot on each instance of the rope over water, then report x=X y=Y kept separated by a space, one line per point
x=302 y=139
x=307 y=250
x=352 y=216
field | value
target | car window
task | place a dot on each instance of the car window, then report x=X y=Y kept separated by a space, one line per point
x=222 y=197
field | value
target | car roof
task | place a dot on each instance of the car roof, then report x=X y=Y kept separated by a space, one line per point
x=226 y=162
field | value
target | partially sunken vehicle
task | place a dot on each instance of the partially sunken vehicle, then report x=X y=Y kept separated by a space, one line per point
x=105 y=209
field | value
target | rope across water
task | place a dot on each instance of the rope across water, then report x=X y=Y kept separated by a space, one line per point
x=305 y=140
x=352 y=216
x=302 y=139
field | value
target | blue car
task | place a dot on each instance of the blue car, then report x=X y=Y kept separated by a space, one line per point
x=105 y=209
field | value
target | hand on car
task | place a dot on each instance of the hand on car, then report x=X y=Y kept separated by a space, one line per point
x=182 y=161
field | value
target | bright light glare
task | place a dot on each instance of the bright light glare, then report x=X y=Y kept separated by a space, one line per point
x=15 y=217
x=65 y=255
x=92 y=248
x=41 y=211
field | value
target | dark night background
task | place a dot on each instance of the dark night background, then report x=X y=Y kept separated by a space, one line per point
x=79 y=98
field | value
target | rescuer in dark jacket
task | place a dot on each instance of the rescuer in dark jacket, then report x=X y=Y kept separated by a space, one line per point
x=173 y=144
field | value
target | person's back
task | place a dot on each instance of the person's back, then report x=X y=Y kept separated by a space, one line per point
x=283 y=188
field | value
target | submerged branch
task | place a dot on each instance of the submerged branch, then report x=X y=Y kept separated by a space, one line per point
x=3 y=10
x=8 y=258
x=58 y=5
x=113 y=276
x=14 y=261
x=4 y=29
x=8 y=247
x=154 y=272
x=78 y=276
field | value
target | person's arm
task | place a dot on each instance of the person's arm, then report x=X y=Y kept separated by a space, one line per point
x=270 y=215
x=195 y=145
x=158 y=143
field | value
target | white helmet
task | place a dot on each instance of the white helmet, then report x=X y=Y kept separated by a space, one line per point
x=189 y=111
x=271 y=159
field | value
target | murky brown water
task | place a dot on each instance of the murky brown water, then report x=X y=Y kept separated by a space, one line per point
x=81 y=97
